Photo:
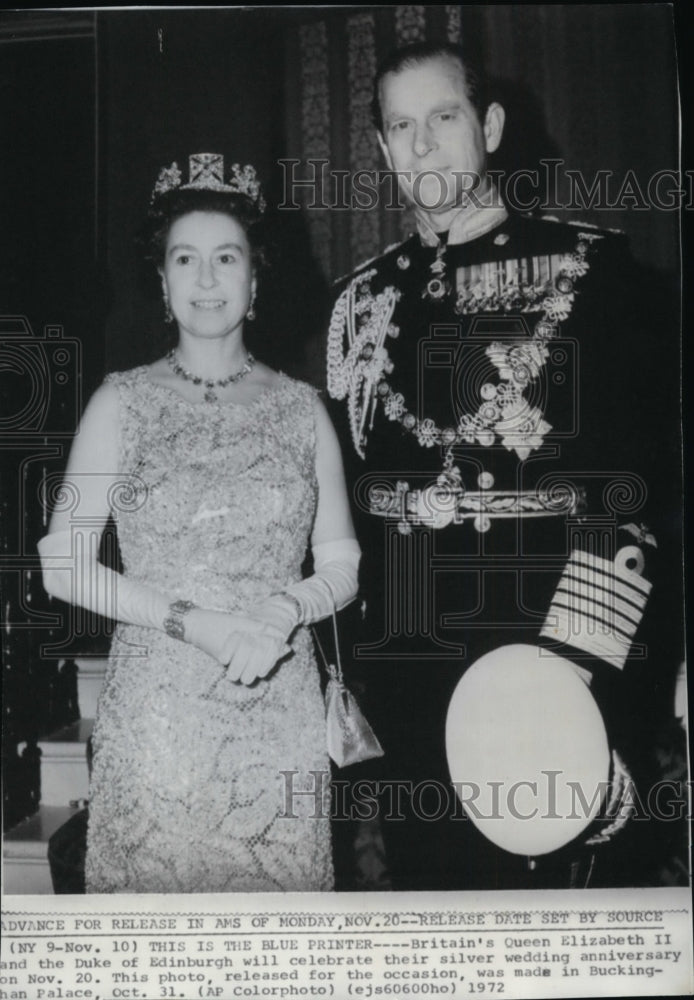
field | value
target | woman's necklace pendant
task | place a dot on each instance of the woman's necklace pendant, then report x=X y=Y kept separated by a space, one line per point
x=210 y=384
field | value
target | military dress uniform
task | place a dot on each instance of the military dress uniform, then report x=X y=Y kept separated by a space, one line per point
x=495 y=398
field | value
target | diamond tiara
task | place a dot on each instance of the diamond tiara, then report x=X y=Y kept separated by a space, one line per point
x=206 y=173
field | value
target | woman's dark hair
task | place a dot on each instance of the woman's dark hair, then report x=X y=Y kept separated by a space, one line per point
x=173 y=205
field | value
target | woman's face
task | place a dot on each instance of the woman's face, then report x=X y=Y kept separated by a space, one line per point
x=208 y=274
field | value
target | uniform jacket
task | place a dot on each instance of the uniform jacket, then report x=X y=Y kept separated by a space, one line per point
x=502 y=404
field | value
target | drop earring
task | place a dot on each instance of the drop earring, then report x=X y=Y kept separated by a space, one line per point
x=168 y=315
x=251 y=311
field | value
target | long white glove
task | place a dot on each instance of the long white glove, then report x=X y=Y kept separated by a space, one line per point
x=72 y=573
x=261 y=639
x=333 y=585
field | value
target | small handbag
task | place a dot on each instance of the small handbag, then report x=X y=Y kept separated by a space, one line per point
x=350 y=738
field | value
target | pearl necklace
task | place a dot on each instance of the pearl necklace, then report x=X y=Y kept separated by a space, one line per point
x=210 y=384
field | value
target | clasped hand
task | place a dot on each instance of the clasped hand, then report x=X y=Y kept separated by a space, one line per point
x=248 y=645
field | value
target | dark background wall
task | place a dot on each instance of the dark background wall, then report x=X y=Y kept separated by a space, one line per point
x=49 y=173
x=95 y=103
x=603 y=81
x=48 y=276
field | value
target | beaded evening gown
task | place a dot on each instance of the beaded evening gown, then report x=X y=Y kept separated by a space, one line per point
x=196 y=780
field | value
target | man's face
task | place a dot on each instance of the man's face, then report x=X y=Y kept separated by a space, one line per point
x=432 y=133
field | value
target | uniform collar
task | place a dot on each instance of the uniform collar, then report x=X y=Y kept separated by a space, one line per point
x=471 y=221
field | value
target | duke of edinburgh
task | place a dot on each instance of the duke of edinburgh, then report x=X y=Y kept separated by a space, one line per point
x=501 y=448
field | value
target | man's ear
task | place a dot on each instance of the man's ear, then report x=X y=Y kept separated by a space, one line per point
x=493 y=126
x=384 y=150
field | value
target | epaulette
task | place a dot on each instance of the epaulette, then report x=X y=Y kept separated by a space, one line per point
x=591 y=225
x=533 y=234
x=372 y=260
x=578 y=224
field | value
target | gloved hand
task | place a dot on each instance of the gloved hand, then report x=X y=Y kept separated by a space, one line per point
x=333 y=585
x=278 y=612
x=248 y=647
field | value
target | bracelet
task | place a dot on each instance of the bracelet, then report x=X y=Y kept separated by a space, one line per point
x=173 y=623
